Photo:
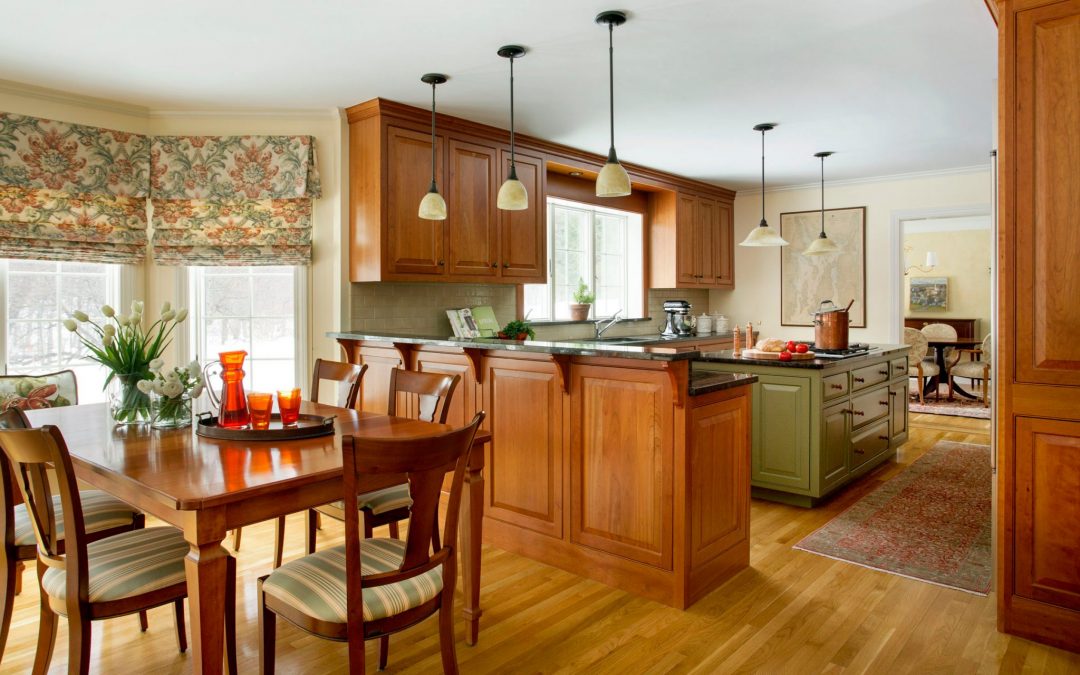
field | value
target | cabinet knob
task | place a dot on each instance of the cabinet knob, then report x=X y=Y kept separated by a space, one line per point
x=883 y=372
x=892 y=393
x=494 y=265
x=884 y=438
x=857 y=379
x=858 y=413
x=860 y=451
x=883 y=403
x=441 y=263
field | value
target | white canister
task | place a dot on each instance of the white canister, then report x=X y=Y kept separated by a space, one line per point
x=721 y=324
x=704 y=324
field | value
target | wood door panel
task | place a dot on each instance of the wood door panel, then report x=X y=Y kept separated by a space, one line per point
x=705 y=224
x=621 y=462
x=523 y=234
x=462 y=403
x=1047 y=201
x=375 y=386
x=524 y=472
x=472 y=221
x=1047 y=511
x=414 y=245
x=835 y=445
x=719 y=459
x=723 y=247
x=686 y=256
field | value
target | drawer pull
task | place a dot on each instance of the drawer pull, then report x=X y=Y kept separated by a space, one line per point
x=833 y=385
x=884 y=403
x=441 y=263
x=860 y=413
x=859 y=379
x=884 y=438
x=882 y=372
x=860 y=451
x=892 y=393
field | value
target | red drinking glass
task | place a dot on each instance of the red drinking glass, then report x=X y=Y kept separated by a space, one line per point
x=288 y=401
x=233 y=413
x=261 y=405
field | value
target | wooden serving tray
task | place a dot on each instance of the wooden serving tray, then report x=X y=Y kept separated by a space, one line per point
x=774 y=356
x=307 y=426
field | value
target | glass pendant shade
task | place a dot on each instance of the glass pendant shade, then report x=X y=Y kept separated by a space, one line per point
x=821 y=246
x=613 y=180
x=763 y=235
x=512 y=195
x=433 y=206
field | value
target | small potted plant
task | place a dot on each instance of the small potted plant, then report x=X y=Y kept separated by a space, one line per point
x=583 y=299
x=517 y=330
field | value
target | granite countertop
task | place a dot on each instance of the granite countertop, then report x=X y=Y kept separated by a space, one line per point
x=705 y=382
x=876 y=351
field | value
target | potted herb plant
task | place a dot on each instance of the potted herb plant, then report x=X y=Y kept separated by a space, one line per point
x=517 y=330
x=583 y=300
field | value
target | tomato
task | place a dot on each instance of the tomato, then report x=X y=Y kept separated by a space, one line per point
x=785 y=355
x=801 y=348
x=790 y=346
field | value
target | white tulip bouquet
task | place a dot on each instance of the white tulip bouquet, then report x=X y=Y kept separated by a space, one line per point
x=173 y=392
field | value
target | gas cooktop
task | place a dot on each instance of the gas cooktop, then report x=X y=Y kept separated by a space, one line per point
x=854 y=349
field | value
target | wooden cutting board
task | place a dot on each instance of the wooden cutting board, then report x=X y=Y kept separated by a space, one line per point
x=774 y=356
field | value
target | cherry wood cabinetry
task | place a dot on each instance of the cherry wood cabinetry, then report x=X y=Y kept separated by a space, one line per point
x=691 y=241
x=523 y=234
x=1038 y=368
x=414 y=245
x=472 y=224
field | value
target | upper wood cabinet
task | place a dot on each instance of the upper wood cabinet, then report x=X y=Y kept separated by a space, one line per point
x=523 y=234
x=472 y=221
x=414 y=246
x=691 y=241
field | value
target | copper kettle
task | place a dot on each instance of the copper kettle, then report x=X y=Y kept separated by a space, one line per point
x=831 y=325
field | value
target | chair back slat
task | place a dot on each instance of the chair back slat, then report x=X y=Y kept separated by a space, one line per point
x=347 y=374
x=430 y=393
x=10 y=495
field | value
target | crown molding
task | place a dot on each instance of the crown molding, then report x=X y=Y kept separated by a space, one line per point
x=58 y=96
x=294 y=113
x=913 y=175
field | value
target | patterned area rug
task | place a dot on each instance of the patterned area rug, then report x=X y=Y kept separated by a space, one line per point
x=931 y=522
x=958 y=407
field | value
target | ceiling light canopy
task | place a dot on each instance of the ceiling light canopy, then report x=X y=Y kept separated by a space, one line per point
x=822 y=244
x=512 y=195
x=433 y=206
x=763 y=234
x=613 y=180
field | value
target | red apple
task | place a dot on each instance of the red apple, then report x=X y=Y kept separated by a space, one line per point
x=790 y=346
x=801 y=348
x=785 y=355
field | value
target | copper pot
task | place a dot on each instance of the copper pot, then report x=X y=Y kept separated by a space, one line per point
x=831 y=326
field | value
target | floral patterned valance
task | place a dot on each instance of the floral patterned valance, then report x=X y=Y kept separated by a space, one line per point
x=233 y=200
x=71 y=191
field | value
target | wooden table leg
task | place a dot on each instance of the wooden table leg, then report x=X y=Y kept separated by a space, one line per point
x=470 y=537
x=206 y=566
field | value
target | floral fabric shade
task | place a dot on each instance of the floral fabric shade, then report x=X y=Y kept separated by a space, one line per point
x=72 y=192
x=233 y=200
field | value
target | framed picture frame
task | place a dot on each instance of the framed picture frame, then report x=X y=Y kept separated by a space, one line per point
x=807 y=280
x=928 y=294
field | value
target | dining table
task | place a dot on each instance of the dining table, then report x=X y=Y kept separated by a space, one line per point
x=207 y=487
x=939 y=345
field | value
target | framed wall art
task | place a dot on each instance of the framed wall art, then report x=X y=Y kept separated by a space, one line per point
x=928 y=294
x=807 y=280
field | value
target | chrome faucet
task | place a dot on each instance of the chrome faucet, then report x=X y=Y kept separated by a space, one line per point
x=610 y=322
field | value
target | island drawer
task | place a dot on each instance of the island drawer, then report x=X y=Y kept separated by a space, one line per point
x=869 y=443
x=834 y=386
x=899 y=367
x=868 y=376
x=870 y=406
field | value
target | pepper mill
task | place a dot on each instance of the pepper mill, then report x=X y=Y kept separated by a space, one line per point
x=749 y=335
x=736 y=350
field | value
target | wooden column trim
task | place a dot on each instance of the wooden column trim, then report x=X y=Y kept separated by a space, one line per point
x=405 y=351
x=562 y=367
x=474 y=356
x=679 y=374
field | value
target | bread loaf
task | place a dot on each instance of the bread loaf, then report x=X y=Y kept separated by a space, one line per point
x=770 y=345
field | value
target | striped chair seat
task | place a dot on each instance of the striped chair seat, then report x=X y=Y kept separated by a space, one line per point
x=315 y=584
x=381 y=501
x=101 y=511
x=127 y=564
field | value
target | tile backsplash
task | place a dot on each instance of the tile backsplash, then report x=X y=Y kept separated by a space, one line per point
x=420 y=308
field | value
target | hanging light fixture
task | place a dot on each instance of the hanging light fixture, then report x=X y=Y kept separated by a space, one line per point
x=433 y=206
x=613 y=180
x=512 y=195
x=763 y=235
x=822 y=244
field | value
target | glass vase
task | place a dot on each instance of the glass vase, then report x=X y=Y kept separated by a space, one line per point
x=127 y=404
x=170 y=412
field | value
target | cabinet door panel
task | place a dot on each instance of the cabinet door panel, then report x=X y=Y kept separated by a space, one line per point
x=472 y=220
x=621 y=462
x=719 y=478
x=375 y=385
x=686 y=257
x=835 y=445
x=898 y=412
x=524 y=474
x=781 y=453
x=723 y=247
x=705 y=234
x=413 y=245
x=462 y=403
x=523 y=234
x=869 y=443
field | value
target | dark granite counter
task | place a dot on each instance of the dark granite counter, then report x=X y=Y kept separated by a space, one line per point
x=704 y=382
x=876 y=351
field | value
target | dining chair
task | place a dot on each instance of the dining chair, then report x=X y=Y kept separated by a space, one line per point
x=90 y=580
x=32 y=392
x=103 y=516
x=978 y=367
x=949 y=355
x=369 y=588
x=918 y=366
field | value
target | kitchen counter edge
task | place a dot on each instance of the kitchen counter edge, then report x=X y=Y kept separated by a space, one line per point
x=876 y=351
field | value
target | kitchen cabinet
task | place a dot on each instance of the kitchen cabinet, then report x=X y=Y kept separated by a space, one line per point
x=523 y=234
x=414 y=244
x=692 y=242
x=472 y=237
x=817 y=429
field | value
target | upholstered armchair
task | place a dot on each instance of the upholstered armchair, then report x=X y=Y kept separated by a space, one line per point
x=978 y=368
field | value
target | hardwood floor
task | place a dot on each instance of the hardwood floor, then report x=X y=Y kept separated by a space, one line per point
x=791 y=612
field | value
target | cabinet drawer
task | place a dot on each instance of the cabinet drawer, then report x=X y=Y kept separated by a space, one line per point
x=870 y=406
x=898 y=367
x=869 y=443
x=868 y=376
x=834 y=385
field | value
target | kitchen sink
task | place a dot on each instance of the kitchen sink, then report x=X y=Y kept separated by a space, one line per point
x=625 y=340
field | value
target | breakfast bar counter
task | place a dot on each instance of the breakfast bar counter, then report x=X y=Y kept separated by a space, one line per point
x=614 y=462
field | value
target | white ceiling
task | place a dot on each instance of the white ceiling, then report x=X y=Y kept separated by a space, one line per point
x=893 y=86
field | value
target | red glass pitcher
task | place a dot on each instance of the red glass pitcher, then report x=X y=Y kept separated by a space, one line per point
x=232 y=405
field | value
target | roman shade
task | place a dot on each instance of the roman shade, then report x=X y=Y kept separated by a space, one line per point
x=232 y=200
x=72 y=192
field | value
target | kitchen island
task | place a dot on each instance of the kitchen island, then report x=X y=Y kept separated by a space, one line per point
x=612 y=461
x=821 y=423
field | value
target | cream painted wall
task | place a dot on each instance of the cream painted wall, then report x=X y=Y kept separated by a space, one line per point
x=756 y=296
x=963 y=257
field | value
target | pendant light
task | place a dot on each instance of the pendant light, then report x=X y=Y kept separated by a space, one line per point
x=433 y=206
x=512 y=195
x=763 y=235
x=822 y=244
x=613 y=180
